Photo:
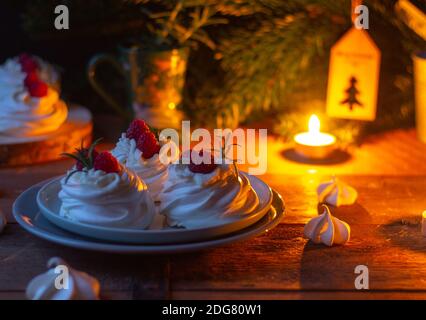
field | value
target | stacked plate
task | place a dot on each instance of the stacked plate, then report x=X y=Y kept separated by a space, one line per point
x=37 y=211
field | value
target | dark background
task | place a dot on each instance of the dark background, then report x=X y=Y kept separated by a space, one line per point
x=72 y=51
x=70 y=56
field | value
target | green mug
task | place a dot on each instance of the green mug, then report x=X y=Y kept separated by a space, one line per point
x=154 y=83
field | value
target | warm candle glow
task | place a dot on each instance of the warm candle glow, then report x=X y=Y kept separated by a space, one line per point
x=314 y=144
x=314 y=137
x=314 y=124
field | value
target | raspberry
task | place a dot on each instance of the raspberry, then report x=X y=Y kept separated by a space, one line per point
x=31 y=78
x=106 y=162
x=83 y=153
x=23 y=57
x=136 y=128
x=38 y=89
x=202 y=167
x=28 y=64
x=147 y=143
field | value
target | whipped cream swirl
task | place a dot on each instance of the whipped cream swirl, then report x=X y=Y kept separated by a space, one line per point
x=194 y=200
x=152 y=171
x=22 y=115
x=77 y=286
x=11 y=74
x=107 y=199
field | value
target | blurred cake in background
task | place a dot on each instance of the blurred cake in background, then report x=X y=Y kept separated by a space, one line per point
x=29 y=97
x=35 y=124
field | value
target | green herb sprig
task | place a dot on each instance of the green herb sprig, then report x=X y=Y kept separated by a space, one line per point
x=82 y=155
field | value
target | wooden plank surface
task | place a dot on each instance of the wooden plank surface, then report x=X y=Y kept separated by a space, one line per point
x=275 y=263
x=22 y=256
x=283 y=260
x=297 y=295
x=282 y=264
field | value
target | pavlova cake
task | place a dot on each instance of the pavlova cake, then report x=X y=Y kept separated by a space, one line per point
x=205 y=194
x=99 y=191
x=138 y=149
x=29 y=98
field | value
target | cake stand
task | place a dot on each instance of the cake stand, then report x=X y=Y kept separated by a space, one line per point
x=78 y=127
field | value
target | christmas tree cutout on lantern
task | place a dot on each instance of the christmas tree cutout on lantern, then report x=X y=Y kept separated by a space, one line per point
x=352 y=93
x=353 y=78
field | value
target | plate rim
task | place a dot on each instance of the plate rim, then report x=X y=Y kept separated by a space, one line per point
x=140 y=249
x=138 y=231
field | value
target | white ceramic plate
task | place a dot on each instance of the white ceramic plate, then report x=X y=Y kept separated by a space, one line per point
x=49 y=204
x=27 y=214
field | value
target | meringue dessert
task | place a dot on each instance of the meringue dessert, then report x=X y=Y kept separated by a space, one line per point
x=99 y=191
x=336 y=193
x=138 y=150
x=199 y=195
x=29 y=105
x=327 y=229
x=51 y=286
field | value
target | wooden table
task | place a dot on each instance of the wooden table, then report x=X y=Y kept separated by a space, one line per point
x=388 y=170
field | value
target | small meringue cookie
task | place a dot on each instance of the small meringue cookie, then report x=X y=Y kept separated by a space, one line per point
x=3 y=221
x=327 y=229
x=336 y=193
x=81 y=286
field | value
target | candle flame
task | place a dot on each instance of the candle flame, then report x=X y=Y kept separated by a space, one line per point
x=314 y=124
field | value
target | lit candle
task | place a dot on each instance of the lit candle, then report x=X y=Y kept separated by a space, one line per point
x=424 y=223
x=314 y=143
